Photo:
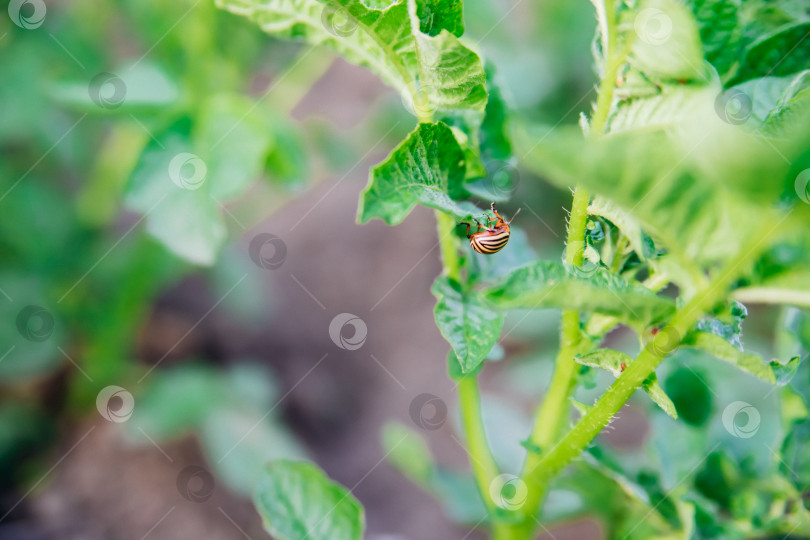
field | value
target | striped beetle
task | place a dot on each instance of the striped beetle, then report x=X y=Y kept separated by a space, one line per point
x=491 y=239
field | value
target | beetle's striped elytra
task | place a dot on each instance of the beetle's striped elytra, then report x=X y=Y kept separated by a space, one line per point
x=491 y=239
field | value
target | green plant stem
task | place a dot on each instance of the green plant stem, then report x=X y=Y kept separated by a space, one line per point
x=483 y=464
x=575 y=243
x=544 y=467
x=555 y=408
x=613 y=61
x=618 y=255
x=450 y=259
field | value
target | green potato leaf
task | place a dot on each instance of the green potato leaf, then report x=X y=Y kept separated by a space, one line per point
x=545 y=284
x=688 y=192
x=427 y=168
x=143 y=87
x=795 y=462
x=665 y=109
x=34 y=332
x=773 y=372
x=790 y=288
x=412 y=46
x=471 y=327
x=407 y=451
x=189 y=223
x=665 y=41
x=178 y=400
x=610 y=360
x=720 y=30
x=287 y=161
x=227 y=411
x=187 y=172
x=616 y=498
x=297 y=501
x=437 y=15
x=234 y=142
x=782 y=52
x=171 y=188
x=238 y=442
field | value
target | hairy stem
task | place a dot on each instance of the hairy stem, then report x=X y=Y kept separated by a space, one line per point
x=544 y=467
x=555 y=409
x=613 y=61
x=575 y=244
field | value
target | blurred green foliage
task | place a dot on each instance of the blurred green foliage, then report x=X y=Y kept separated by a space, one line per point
x=93 y=99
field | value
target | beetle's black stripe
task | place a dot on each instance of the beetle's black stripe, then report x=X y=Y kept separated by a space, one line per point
x=485 y=249
x=496 y=236
x=492 y=249
x=495 y=239
x=493 y=244
x=488 y=244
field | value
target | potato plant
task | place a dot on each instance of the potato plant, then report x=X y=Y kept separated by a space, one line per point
x=689 y=179
x=690 y=182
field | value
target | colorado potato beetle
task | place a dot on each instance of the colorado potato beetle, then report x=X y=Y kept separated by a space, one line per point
x=491 y=239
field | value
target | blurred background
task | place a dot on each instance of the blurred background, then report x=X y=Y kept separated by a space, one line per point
x=140 y=392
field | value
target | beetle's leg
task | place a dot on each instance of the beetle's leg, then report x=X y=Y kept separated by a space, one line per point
x=499 y=220
x=488 y=225
x=482 y=226
x=468 y=228
x=497 y=217
x=513 y=217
